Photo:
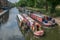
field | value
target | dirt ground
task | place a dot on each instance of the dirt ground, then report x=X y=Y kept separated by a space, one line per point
x=57 y=19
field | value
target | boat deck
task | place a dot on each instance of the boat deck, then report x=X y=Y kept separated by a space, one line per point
x=39 y=15
x=20 y=17
x=29 y=19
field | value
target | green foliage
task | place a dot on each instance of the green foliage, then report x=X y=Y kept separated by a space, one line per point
x=40 y=4
x=53 y=3
x=31 y=3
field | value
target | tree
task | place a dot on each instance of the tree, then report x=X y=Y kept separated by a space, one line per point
x=30 y=3
x=53 y=3
x=46 y=5
x=35 y=1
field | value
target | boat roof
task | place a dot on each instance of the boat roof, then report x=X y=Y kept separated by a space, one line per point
x=39 y=15
x=28 y=18
x=20 y=17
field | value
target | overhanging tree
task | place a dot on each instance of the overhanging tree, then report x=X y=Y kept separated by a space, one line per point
x=53 y=3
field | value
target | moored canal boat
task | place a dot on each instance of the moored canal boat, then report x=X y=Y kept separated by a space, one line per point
x=30 y=24
x=45 y=20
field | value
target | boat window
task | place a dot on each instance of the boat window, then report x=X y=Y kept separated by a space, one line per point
x=49 y=18
x=37 y=27
x=45 y=21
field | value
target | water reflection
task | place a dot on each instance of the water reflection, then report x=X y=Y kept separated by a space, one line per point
x=15 y=38
x=4 y=18
x=10 y=30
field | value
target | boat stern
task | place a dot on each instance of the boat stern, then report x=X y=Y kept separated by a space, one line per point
x=39 y=33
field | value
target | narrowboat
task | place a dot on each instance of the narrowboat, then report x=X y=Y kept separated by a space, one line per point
x=26 y=23
x=45 y=20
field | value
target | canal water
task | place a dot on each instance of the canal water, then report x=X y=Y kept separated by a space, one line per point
x=9 y=30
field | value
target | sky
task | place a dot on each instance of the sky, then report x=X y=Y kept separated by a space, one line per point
x=13 y=1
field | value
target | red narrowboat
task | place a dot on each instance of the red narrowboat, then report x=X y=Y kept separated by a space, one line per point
x=34 y=26
x=45 y=20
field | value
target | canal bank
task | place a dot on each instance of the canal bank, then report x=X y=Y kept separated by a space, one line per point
x=52 y=33
x=10 y=30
